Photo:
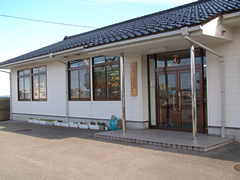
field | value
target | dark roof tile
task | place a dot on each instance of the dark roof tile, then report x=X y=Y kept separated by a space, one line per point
x=191 y=14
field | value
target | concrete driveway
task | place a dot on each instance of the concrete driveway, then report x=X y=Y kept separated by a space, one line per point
x=29 y=151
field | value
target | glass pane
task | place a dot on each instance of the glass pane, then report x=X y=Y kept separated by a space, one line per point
x=113 y=81
x=27 y=87
x=167 y=100
x=84 y=83
x=27 y=71
x=198 y=60
x=112 y=58
x=43 y=86
x=99 y=60
x=152 y=91
x=20 y=73
x=186 y=100
x=183 y=58
x=161 y=63
x=35 y=70
x=205 y=91
x=74 y=64
x=99 y=82
x=182 y=62
x=21 y=88
x=74 y=84
x=42 y=69
x=35 y=88
x=84 y=62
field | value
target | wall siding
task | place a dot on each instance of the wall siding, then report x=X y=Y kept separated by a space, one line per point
x=134 y=106
x=56 y=103
x=231 y=54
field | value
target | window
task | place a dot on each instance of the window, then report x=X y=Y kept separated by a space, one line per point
x=79 y=79
x=106 y=78
x=24 y=91
x=39 y=83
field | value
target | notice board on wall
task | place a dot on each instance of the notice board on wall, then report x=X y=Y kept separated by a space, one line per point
x=133 y=74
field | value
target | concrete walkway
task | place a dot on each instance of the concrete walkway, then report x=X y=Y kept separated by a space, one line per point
x=33 y=151
x=172 y=139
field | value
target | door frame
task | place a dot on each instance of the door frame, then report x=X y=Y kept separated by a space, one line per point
x=177 y=71
x=158 y=103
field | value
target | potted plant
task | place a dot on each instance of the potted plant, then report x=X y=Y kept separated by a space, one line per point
x=42 y=121
x=64 y=124
x=95 y=126
x=83 y=125
x=106 y=128
x=47 y=121
x=73 y=124
x=57 y=123
x=31 y=120
x=36 y=121
x=102 y=126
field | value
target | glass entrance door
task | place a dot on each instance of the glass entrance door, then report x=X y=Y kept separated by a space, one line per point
x=175 y=100
x=167 y=109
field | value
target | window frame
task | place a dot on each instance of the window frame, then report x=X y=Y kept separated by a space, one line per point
x=24 y=76
x=38 y=74
x=78 y=68
x=106 y=87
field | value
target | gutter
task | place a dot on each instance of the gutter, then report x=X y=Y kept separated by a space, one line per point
x=41 y=57
x=232 y=15
x=186 y=35
x=10 y=81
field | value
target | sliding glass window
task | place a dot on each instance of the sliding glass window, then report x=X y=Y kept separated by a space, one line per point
x=79 y=80
x=106 y=78
x=24 y=90
x=39 y=83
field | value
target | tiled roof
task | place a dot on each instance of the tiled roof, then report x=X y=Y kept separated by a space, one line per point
x=191 y=14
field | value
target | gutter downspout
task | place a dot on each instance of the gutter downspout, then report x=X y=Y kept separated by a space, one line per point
x=222 y=91
x=10 y=82
x=66 y=75
x=186 y=34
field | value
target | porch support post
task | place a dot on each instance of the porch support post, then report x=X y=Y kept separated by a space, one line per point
x=186 y=34
x=193 y=89
x=123 y=92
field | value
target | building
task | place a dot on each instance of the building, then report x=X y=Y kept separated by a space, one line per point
x=78 y=78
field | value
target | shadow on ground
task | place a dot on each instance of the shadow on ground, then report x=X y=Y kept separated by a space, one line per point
x=230 y=152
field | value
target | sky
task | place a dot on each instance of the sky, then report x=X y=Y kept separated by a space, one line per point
x=18 y=36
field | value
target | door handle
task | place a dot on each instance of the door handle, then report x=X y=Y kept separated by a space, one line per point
x=174 y=102
x=180 y=101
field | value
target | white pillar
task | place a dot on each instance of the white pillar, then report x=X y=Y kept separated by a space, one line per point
x=193 y=89
x=123 y=92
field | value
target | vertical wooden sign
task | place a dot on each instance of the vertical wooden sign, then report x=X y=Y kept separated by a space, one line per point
x=133 y=74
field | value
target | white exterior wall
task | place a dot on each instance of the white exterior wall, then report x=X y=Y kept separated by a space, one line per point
x=55 y=106
x=137 y=106
x=145 y=89
x=231 y=54
x=95 y=109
